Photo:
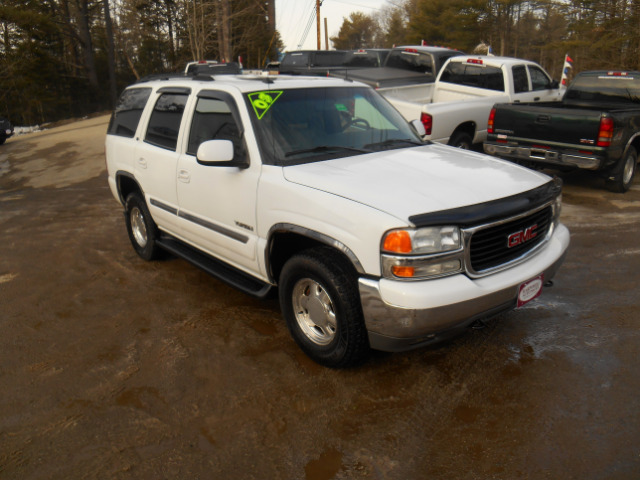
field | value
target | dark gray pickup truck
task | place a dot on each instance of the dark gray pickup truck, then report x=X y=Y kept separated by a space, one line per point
x=596 y=127
x=409 y=65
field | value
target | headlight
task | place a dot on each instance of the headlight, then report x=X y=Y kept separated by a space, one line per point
x=421 y=253
x=422 y=240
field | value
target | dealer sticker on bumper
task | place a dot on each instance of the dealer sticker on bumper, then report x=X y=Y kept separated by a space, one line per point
x=529 y=290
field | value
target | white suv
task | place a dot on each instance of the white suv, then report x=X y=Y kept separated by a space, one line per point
x=318 y=187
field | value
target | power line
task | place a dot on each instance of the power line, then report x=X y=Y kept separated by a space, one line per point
x=312 y=18
x=357 y=5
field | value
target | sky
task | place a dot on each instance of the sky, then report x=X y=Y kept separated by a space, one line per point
x=293 y=16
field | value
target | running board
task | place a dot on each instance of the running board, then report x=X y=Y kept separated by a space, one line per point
x=216 y=268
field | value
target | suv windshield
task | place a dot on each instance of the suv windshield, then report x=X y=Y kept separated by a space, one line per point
x=307 y=125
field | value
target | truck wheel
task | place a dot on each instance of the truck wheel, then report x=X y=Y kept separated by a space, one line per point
x=321 y=305
x=141 y=228
x=622 y=174
x=461 y=140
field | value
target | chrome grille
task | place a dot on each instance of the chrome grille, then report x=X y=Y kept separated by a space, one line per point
x=489 y=247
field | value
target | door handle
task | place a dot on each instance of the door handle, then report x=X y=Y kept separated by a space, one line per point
x=142 y=162
x=536 y=99
x=184 y=176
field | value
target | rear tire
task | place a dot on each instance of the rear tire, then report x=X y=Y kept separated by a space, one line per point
x=461 y=140
x=141 y=228
x=320 y=302
x=621 y=175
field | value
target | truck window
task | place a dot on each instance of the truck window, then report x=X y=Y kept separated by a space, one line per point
x=411 y=60
x=479 y=76
x=128 y=111
x=605 y=89
x=212 y=120
x=520 y=79
x=164 y=124
x=328 y=59
x=539 y=79
x=298 y=59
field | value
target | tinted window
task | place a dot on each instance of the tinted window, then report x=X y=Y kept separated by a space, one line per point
x=295 y=60
x=605 y=88
x=362 y=59
x=128 y=111
x=480 y=76
x=520 y=80
x=213 y=120
x=410 y=60
x=164 y=124
x=539 y=79
x=328 y=59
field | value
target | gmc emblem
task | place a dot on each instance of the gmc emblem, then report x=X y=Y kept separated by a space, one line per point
x=522 y=236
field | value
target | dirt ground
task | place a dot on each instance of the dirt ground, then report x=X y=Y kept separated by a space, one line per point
x=115 y=368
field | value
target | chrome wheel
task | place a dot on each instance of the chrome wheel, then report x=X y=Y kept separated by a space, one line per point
x=138 y=227
x=314 y=311
x=629 y=167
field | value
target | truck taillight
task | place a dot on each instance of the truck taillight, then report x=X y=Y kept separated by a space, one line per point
x=427 y=121
x=605 y=134
x=492 y=119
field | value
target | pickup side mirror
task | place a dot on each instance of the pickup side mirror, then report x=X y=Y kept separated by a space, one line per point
x=554 y=84
x=218 y=153
x=418 y=126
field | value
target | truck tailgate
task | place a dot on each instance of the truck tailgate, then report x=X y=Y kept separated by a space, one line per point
x=538 y=123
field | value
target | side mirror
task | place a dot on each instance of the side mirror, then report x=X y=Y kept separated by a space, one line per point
x=418 y=126
x=554 y=84
x=218 y=153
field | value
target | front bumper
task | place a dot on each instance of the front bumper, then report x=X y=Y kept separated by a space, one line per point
x=547 y=156
x=404 y=315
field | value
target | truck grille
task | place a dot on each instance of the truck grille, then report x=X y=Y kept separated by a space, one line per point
x=502 y=243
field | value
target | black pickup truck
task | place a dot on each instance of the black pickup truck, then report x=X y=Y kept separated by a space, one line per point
x=409 y=65
x=596 y=126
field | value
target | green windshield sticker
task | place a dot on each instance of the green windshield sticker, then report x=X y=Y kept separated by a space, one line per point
x=341 y=108
x=262 y=101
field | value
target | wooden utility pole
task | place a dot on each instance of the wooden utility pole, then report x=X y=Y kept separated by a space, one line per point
x=326 y=35
x=318 y=3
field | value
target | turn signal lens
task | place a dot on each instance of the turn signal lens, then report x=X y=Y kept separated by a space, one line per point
x=398 y=241
x=403 y=272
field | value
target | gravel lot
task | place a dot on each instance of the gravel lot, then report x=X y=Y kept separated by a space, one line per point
x=111 y=367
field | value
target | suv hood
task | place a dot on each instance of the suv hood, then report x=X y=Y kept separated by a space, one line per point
x=411 y=181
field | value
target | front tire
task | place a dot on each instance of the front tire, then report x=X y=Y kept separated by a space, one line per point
x=141 y=228
x=321 y=306
x=622 y=174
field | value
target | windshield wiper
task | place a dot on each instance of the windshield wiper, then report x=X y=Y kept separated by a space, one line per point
x=393 y=141
x=326 y=148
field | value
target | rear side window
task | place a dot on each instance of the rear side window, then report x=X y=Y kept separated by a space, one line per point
x=480 y=76
x=128 y=111
x=164 y=124
x=520 y=80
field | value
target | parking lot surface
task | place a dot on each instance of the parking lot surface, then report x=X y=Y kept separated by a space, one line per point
x=112 y=367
